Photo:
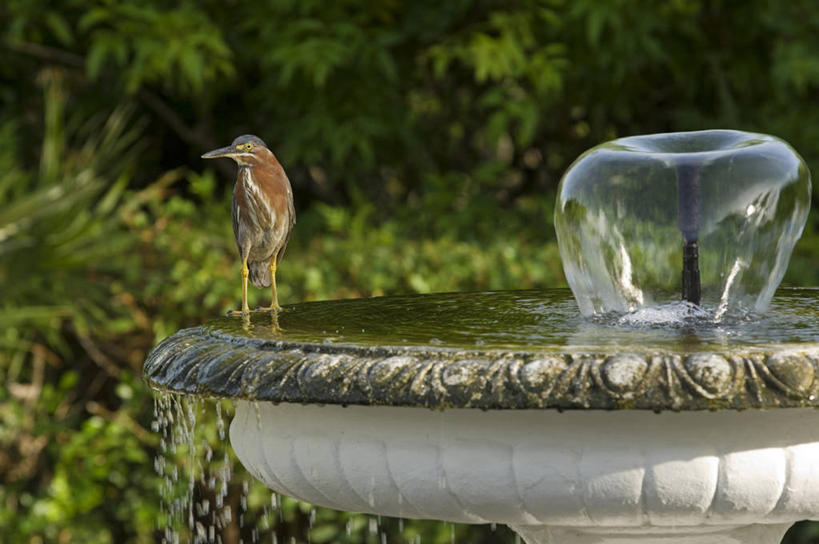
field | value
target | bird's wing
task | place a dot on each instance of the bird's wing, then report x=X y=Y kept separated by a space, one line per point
x=291 y=220
x=291 y=209
x=235 y=213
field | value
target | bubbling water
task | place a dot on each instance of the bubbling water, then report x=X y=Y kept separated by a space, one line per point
x=674 y=314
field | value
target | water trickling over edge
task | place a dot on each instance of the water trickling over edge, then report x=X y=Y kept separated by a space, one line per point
x=207 y=497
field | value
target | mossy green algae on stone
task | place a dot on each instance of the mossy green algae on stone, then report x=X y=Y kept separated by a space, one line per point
x=498 y=350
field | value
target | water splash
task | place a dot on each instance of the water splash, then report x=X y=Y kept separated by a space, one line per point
x=674 y=315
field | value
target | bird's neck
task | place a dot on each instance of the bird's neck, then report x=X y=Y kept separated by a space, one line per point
x=263 y=172
x=249 y=171
x=246 y=175
x=253 y=177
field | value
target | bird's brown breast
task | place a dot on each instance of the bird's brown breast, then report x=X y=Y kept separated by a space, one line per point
x=263 y=207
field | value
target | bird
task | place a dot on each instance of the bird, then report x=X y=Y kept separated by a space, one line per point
x=263 y=213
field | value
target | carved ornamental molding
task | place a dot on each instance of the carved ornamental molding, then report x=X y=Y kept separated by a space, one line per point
x=208 y=362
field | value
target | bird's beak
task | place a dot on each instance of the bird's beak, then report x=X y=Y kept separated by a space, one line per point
x=228 y=151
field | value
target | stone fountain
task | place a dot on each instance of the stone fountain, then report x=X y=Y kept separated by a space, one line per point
x=678 y=405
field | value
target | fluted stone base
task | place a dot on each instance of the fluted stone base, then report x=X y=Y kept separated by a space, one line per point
x=576 y=477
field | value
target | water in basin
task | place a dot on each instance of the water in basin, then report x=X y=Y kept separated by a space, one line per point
x=530 y=319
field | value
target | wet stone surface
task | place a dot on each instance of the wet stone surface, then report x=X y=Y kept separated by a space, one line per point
x=504 y=350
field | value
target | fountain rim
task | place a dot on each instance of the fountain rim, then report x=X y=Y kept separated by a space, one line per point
x=207 y=362
x=663 y=145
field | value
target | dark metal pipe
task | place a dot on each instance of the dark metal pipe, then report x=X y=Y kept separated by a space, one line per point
x=691 y=289
x=689 y=217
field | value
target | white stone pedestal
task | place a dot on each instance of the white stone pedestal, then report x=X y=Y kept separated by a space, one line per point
x=576 y=477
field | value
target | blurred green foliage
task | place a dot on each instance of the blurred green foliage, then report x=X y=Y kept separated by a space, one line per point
x=424 y=141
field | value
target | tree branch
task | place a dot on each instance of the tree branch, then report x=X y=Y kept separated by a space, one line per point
x=49 y=54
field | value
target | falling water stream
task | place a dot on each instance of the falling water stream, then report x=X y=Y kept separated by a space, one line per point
x=185 y=462
x=202 y=501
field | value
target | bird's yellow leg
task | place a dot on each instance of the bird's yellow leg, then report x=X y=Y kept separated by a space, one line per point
x=274 y=305
x=275 y=296
x=245 y=274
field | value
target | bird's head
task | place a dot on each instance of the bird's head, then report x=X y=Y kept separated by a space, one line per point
x=246 y=150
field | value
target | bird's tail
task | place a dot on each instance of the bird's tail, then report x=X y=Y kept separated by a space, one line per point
x=259 y=273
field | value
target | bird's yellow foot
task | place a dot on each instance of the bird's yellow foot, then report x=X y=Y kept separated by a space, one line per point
x=237 y=313
x=276 y=309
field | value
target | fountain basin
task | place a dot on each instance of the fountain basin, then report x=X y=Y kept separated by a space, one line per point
x=510 y=408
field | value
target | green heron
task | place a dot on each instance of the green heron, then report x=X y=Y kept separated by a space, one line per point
x=263 y=212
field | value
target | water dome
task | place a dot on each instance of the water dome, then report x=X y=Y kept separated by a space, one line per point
x=632 y=211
